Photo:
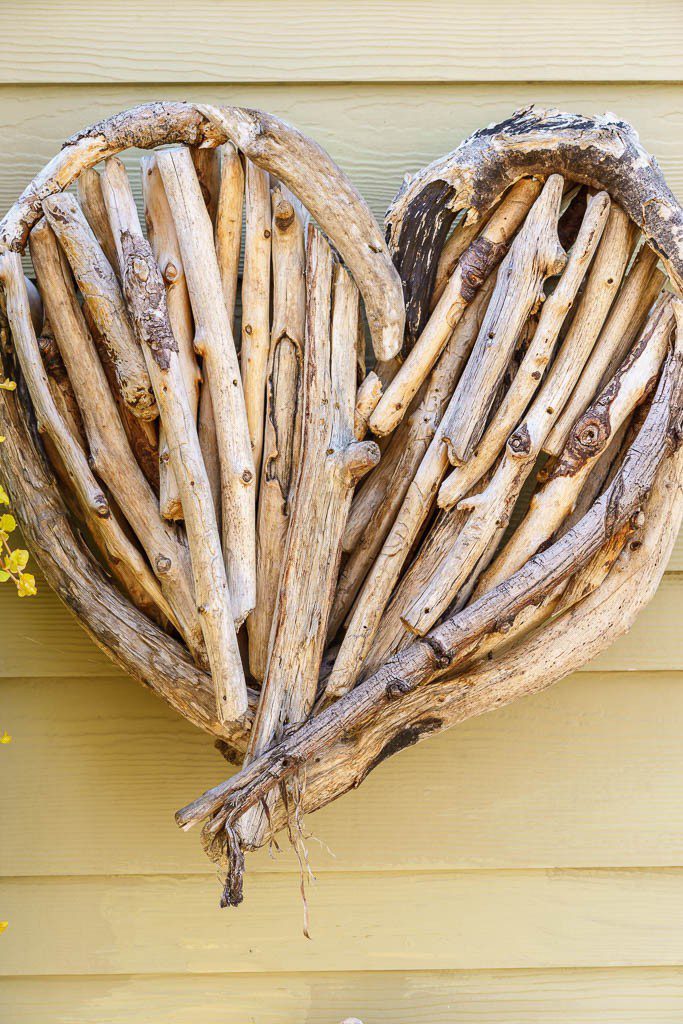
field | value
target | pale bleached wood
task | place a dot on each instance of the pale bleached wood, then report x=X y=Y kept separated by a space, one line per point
x=535 y=255
x=125 y=562
x=639 y=290
x=89 y=188
x=60 y=385
x=164 y=241
x=145 y=292
x=332 y=461
x=228 y=237
x=282 y=435
x=101 y=291
x=207 y=165
x=602 y=152
x=215 y=343
x=110 y=453
x=379 y=502
x=534 y=363
x=367 y=397
x=256 y=303
x=583 y=629
x=478 y=261
x=588 y=439
x=455 y=245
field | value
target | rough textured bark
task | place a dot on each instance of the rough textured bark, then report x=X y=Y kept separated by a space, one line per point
x=164 y=241
x=600 y=151
x=145 y=292
x=534 y=256
x=478 y=261
x=110 y=453
x=527 y=379
x=332 y=461
x=215 y=343
x=441 y=652
x=282 y=433
x=101 y=291
x=256 y=303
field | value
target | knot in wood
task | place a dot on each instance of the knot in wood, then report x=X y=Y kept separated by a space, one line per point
x=520 y=441
x=397 y=688
x=140 y=268
x=163 y=564
x=476 y=264
x=170 y=272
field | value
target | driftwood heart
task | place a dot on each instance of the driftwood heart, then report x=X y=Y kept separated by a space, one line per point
x=531 y=330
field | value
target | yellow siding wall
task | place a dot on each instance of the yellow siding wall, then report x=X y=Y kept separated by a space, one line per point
x=528 y=866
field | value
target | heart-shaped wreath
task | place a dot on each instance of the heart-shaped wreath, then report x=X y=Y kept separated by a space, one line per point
x=197 y=508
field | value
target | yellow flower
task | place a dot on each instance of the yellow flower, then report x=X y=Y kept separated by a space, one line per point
x=7 y=385
x=17 y=560
x=4 y=499
x=7 y=523
x=3 y=926
x=5 y=738
x=26 y=587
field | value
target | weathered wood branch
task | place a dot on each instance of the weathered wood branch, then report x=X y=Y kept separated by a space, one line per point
x=92 y=203
x=215 y=343
x=164 y=241
x=110 y=454
x=332 y=461
x=553 y=314
x=588 y=439
x=102 y=293
x=256 y=303
x=534 y=256
x=401 y=679
x=626 y=318
x=282 y=433
x=478 y=261
x=600 y=151
x=145 y=292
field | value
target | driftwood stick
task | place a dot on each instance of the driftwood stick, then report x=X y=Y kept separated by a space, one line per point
x=369 y=393
x=92 y=203
x=256 y=303
x=164 y=241
x=478 y=261
x=145 y=292
x=282 y=433
x=332 y=461
x=60 y=385
x=102 y=293
x=601 y=152
x=627 y=316
x=207 y=165
x=214 y=341
x=399 y=680
x=128 y=566
x=534 y=256
x=377 y=505
x=536 y=358
x=228 y=237
x=459 y=240
x=110 y=454
x=588 y=439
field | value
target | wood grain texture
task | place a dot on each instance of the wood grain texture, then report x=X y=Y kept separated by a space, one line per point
x=429 y=920
x=351 y=41
x=583 y=775
x=568 y=996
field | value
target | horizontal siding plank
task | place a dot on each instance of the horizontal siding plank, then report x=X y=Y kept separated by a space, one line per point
x=437 y=921
x=615 y=996
x=586 y=774
x=375 y=132
x=42 y=638
x=355 y=40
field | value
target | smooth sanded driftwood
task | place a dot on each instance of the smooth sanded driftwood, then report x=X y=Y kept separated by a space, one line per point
x=375 y=507
x=110 y=453
x=442 y=651
x=281 y=446
x=215 y=343
x=478 y=261
x=332 y=461
x=256 y=303
x=587 y=440
x=164 y=241
x=145 y=292
x=89 y=188
x=101 y=291
x=527 y=379
x=627 y=315
x=534 y=256
x=602 y=152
